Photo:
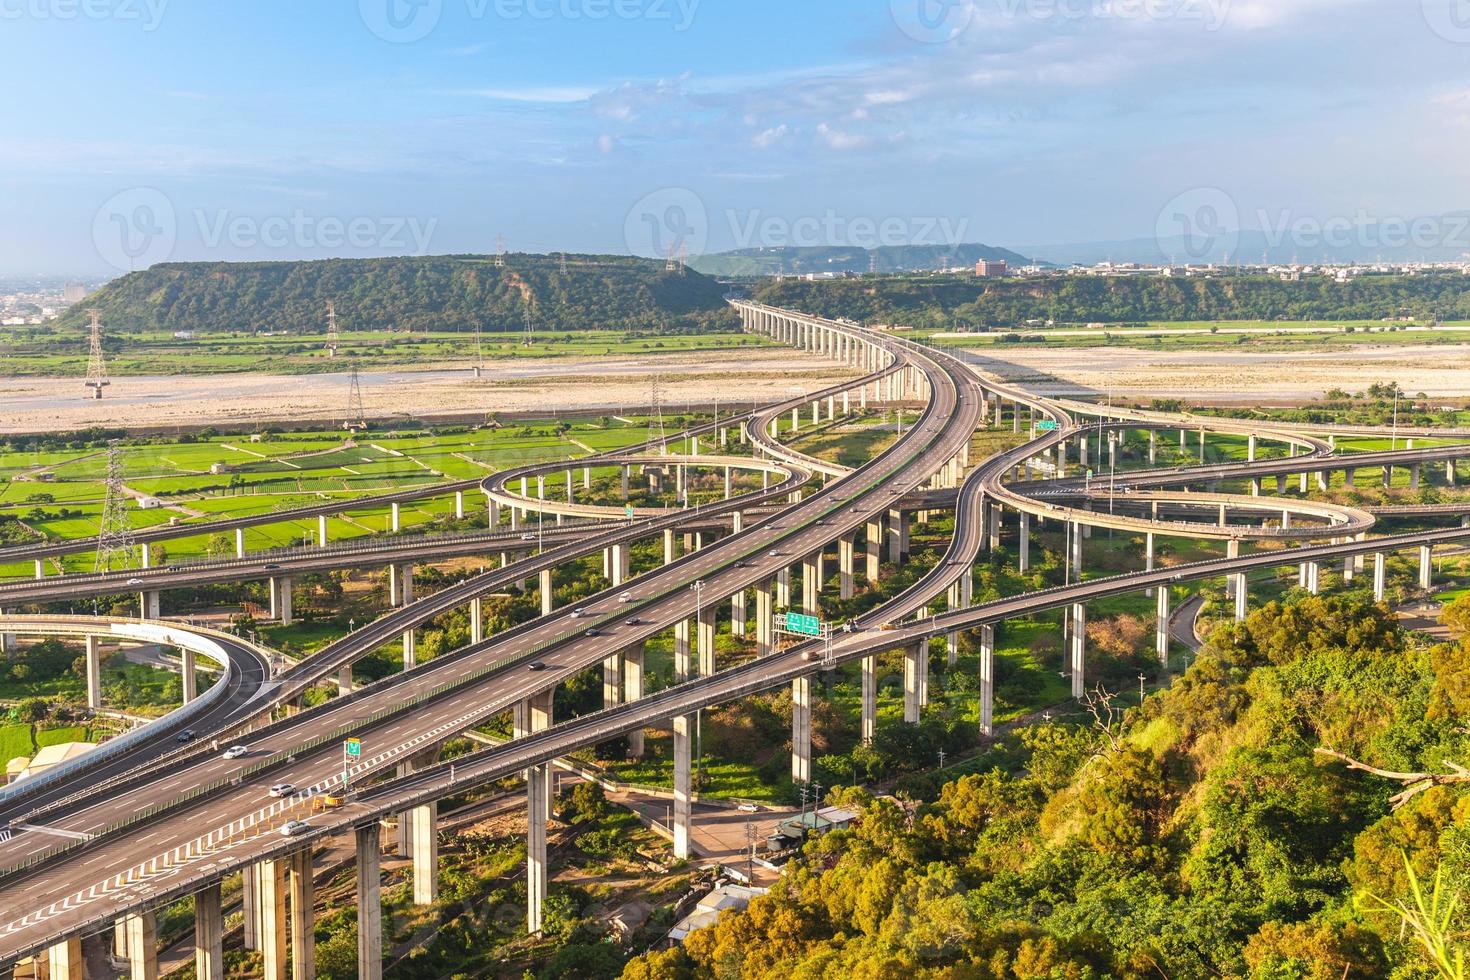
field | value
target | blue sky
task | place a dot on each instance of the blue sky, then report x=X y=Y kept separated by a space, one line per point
x=142 y=130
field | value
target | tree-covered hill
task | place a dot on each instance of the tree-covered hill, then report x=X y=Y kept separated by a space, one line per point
x=450 y=292
x=942 y=301
x=1201 y=835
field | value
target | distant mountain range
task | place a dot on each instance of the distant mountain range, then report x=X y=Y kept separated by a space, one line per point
x=445 y=292
x=803 y=260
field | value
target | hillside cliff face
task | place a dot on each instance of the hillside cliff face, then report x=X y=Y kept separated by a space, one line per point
x=451 y=292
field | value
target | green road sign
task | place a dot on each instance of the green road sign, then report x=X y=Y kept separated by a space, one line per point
x=354 y=747
x=803 y=624
x=1046 y=425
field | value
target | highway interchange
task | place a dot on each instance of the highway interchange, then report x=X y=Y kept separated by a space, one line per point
x=164 y=829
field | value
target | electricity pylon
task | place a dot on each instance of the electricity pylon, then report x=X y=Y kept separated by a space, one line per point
x=115 y=534
x=96 y=367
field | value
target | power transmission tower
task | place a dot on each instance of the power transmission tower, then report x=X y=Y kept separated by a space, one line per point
x=527 y=336
x=96 y=367
x=563 y=263
x=500 y=251
x=356 y=418
x=115 y=534
x=669 y=265
x=333 y=337
x=656 y=431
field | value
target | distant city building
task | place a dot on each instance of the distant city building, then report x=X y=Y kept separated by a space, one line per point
x=992 y=268
x=74 y=292
x=183 y=335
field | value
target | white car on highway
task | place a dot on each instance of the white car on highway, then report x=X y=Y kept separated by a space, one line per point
x=293 y=827
x=282 y=789
x=235 y=751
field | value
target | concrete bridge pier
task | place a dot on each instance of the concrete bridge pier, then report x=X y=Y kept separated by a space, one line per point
x=209 y=934
x=1379 y=576
x=477 y=619
x=1079 y=650
x=1449 y=473
x=738 y=613
x=783 y=588
x=1153 y=447
x=1387 y=477
x=400 y=584
x=874 y=537
x=280 y=593
x=1414 y=469
x=321 y=530
x=533 y=714
x=763 y=616
x=1232 y=550
x=1311 y=574
x=142 y=933
x=671 y=552
x=846 y=553
x=1349 y=478
x=1076 y=549
x=801 y=730
x=94 y=674
x=632 y=677
x=870 y=698
x=683 y=785
x=1161 y=640
x=809 y=593
x=369 y=902
x=423 y=833
x=547 y=592
x=1024 y=545
x=915 y=680
x=239 y=542
x=1242 y=596
x=987 y=679
x=303 y=933
x=1426 y=567
x=706 y=628
x=148 y=604
x=187 y=680
x=63 y=961
x=897 y=531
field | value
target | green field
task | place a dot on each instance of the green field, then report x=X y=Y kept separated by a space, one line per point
x=160 y=353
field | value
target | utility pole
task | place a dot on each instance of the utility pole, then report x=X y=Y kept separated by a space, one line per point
x=115 y=535
x=96 y=367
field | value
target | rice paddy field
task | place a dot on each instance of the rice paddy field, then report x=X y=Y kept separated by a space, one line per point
x=60 y=494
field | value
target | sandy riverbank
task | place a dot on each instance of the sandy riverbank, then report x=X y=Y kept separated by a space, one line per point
x=613 y=385
x=1233 y=377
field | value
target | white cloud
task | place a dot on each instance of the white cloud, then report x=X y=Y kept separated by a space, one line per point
x=768 y=138
x=839 y=140
x=548 y=94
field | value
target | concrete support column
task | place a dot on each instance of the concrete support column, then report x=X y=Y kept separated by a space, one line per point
x=1232 y=550
x=670 y=551
x=801 y=730
x=94 y=674
x=142 y=932
x=846 y=548
x=63 y=961
x=704 y=639
x=477 y=620
x=280 y=592
x=270 y=878
x=1380 y=576
x=400 y=584
x=1242 y=596
x=915 y=669
x=148 y=604
x=239 y=542
x=1314 y=578
x=683 y=655
x=369 y=903
x=683 y=785
x=423 y=833
x=1079 y=650
x=1025 y=543
x=1426 y=567
x=1161 y=641
x=303 y=923
x=188 y=682
x=896 y=533
x=874 y=547
x=763 y=615
x=809 y=589
x=738 y=614
x=870 y=698
x=209 y=934
x=1414 y=476
x=783 y=588
x=548 y=593
x=321 y=530
x=987 y=679
x=1076 y=558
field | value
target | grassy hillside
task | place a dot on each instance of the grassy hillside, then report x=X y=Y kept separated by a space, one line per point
x=1198 y=835
x=943 y=301
x=432 y=293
